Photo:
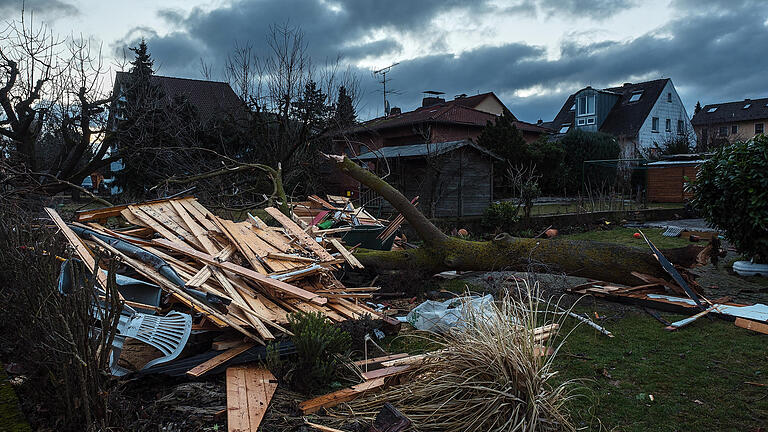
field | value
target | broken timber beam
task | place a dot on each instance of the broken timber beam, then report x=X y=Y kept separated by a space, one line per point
x=275 y=284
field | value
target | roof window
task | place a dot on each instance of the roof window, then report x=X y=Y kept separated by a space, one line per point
x=565 y=128
x=711 y=110
x=635 y=96
x=747 y=106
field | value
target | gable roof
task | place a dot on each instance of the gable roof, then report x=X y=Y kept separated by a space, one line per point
x=212 y=99
x=422 y=150
x=732 y=112
x=625 y=118
x=439 y=113
x=458 y=111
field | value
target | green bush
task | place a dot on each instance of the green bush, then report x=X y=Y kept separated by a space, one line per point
x=580 y=146
x=319 y=346
x=501 y=215
x=731 y=192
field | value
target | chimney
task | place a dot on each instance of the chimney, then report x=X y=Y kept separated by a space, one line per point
x=431 y=100
x=627 y=84
x=395 y=111
x=539 y=121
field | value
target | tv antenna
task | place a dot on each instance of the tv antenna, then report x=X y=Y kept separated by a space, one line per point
x=383 y=72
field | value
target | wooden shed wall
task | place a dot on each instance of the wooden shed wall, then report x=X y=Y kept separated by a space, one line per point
x=463 y=187
x=666 y=184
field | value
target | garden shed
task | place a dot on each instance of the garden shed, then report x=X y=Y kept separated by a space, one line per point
x=666 y=179
x=451 y=179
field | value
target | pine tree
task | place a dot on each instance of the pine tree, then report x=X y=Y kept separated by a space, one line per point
x=503 y=138
x=143 y=64
x=344 y=114
x=311 y=108
x=697 y=108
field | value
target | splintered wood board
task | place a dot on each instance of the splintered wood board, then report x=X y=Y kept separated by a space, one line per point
x=249 y=391
x=294 y=230
x=752 y=325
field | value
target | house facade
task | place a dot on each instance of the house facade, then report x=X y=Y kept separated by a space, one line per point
x=721 y=123
x=642 y=116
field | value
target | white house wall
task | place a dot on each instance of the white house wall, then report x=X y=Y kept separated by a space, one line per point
x=662 y=109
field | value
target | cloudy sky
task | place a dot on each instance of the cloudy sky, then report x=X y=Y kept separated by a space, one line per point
x=531 y=53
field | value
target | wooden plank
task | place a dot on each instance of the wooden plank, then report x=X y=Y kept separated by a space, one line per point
x=230 y=231
x=296 y=231
x=219 y=360
x=206 y=272
x=321 y=427
x=752 y=325
x=107 y=212
x=344 y=395
x=249 y=391
x=200 y=213
x=381 y=359
x=387 y=371
x=289 y=257
x=245 y=272
x=348 y=257
x=237 y=402
x=81 y=249
x=150 y=222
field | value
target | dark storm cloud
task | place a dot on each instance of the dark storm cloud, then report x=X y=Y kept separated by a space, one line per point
x=48 y=8
x=711 y=57
x=711 y=49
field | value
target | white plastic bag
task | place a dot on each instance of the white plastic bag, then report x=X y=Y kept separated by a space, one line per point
x=438 y=316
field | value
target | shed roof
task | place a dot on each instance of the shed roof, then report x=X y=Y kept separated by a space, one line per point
x=422 y=150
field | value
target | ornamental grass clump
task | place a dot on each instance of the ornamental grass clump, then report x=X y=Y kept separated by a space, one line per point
x=487 y=375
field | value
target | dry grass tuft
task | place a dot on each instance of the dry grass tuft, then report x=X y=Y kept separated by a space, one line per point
x=488 y=376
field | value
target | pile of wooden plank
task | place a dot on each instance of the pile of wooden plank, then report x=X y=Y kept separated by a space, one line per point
x=262 y=273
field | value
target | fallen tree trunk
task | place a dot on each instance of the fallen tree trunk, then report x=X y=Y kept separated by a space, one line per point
x=596 y=260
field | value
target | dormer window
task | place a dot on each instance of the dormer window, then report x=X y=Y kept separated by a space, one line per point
x=586 y=105
x=565 y=128
x=711 y=110
x=635 y=96
x=747 y=106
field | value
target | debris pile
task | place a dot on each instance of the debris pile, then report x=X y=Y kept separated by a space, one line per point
x=247 y=275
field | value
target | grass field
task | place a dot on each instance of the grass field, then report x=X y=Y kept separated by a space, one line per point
x=625 y=236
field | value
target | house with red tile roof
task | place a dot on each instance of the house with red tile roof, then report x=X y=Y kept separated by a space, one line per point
x=431 y=152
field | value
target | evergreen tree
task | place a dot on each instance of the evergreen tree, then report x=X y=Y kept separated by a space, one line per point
x=311 y=108
x=143 y=64
x=697 y=108
x=344 y=114
x=503 y=138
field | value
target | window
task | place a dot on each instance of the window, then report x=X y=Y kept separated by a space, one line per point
x=747 y=106
x=591 y=120
x=734 y=129
x=723 y=131
x=705 y=135
x=565 y=128
x=586 y=105
x=712 y=109
x=668 y=125
x=573 y=108
x=635 y=96
x=669 y=97
x=581 y=122
x=758 y=128
x=655 y=124
x=680 y=127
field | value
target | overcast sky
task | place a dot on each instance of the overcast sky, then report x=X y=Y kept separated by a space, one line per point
x=531 y=53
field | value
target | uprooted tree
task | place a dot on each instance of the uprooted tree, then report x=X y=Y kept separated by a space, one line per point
x=440 y=252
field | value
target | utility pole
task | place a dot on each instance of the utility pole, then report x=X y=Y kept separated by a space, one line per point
x=383 y=72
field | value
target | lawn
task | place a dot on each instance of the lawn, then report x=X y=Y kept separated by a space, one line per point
x=625 y=236
x=573 y=207
x=697 y=375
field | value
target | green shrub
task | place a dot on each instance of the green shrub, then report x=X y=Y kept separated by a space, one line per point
x=582 y=146
x=319 y=346
x=731 y=192
x=501 y=215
